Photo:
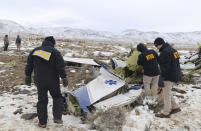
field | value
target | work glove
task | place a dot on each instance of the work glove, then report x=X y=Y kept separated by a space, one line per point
x=160 y=89
x=142 y=71
x=28 y=80
x=65 y=82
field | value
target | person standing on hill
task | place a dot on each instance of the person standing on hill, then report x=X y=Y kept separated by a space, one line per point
x=170 y=73
x=18 y=42
x=148 y=59
x=6 y=42
x=48 y=65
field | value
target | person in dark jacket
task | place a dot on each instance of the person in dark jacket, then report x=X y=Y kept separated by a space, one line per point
x=148 y=59
x=18 y=42
x=6 y=42
x=48 y=66
x=170 y=73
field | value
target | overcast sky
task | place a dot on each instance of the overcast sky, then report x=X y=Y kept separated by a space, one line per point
x=106 y=15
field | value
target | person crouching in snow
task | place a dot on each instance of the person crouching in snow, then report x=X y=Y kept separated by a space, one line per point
x=170 y=73
x=148 y=59
x=48 y=65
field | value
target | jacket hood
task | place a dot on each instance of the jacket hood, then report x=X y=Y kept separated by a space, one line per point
x=47 y=43
x=159 y=41
x=164 y=46
x=141 y=47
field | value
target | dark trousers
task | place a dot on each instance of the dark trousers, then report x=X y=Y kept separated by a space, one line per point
x=57 y=110
x=5 y=47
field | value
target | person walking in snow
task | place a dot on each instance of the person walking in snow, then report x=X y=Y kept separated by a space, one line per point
x=48 y=65
x=18 y=42
x=148 y=59
x=6 y=42
x=170 y=73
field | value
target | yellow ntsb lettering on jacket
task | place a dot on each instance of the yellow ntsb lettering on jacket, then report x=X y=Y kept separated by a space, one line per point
x=43 y=54
x=149 y=57
x=176 y=55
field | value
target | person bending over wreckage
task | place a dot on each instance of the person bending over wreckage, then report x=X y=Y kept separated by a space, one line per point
x=131 y=71
x=170 y=73
x=48 y=66
x=148 y=59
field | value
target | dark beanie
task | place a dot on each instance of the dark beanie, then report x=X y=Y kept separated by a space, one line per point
x=51 y=39
x=141 y=47
x=159 y=41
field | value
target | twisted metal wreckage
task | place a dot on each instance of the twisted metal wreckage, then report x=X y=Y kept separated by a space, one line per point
x=118 y=85
x=112 y=88
x=190 y=74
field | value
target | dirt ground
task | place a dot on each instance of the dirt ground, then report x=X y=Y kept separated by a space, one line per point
x=13 y=72
x=12 y=63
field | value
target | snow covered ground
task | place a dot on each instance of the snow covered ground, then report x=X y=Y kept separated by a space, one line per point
x=27 y=102
x=188 y=119
x=139 y=119
x=22 y=99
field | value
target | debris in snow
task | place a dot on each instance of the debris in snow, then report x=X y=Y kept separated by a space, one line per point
x=109 y=120
x=196 y=87
x=18 y=111
x=29 y=116
x=179 y=90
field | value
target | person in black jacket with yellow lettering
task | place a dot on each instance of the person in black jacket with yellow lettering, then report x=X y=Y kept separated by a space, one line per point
x=170 y=73
x=148 y=59
x=48 y=66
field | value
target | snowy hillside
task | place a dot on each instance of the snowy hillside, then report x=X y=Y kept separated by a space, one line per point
x=66 y=32
x=178 y=37
x=12 y=28
x=7 y=26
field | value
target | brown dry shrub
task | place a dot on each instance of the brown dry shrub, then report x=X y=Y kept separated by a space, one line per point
x=188 y=78
x=109 y=120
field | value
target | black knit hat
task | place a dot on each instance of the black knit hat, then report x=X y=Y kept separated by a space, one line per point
x=159 y=41
x=141 y=47
x=51 y=39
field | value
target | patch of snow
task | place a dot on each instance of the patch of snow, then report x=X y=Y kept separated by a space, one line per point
x=101 y=53
x=189 y=117
x=1 y=44
x=183 y=59
x=138 y=122
x=69 y=54
x=1 y=71
x=187 y=66
x=76 y=45
x=10 y=103
x=183 y=51
x=2 y=63
x=194 y=57
x=73 y=71
x=121 y=49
